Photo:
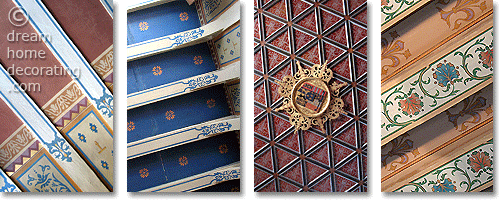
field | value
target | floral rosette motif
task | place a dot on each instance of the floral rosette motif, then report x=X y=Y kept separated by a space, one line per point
x=411 y=105
x=446 y=73
x=486 y=57
x=479 y=160
x=444 y=186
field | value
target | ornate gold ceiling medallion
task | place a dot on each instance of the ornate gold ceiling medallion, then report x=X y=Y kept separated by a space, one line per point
x=308 y=97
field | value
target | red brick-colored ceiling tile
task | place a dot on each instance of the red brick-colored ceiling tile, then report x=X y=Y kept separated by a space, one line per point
x=295 y=173
x=282 y=42
x=348 y=98
x=342 y=184
x=325 y=185
x=271 y=26
x=351 y=167
x=280 y=125
x=340 y=152
x=270 y=187
x=256 y=78
x=284 y=71
x=287 y=187
x=353 y=4
x=336 y=5
x=291 y=141
x=275 y=96
x=309 y=22
x=357 y=33
x=362 y=16
x=283 y=158
x=361 y=66
x=313 y=171
x=365 y=164
x=348 y=135
x=362 y=100
x=301 y=38
x=339 y=35
x=299 y=6
x=267 y=1
x=328 y=19
x=364 y=130
x=311 y=139
x=259 y=176
x=342 y=68
x=274 y=58
x=260 y=95
x=257 y=111
x=256 y=29
x=321 y=155
x=362 y=49
x=340 y=121
x=279 y=9
x=257 y=61
x=265 y=160
x=364 y=83
x=262 y=128
x=312 y=55
x=258 y=144
x=331 y=52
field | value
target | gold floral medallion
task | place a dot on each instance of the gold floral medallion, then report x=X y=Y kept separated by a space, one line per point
x=308 y=97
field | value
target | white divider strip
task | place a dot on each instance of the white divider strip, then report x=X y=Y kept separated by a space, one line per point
x=184 y=86
x=6 y=184
x=182 y=136
x=69 y=56
x=186 y=38
x=196 y=182
x=44 y=130
x=108 y=5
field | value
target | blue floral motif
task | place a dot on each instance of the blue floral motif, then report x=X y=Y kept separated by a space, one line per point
x=231 y=52
x=93 y=127
x=82 y=137
x=446 y=73
x=104 y=164
x=59 y=149
x=46 y=181
x=201 y=81
x=105 y=104
x=222 y=57
x=218 y=46
x=226 y=176
x=8 y=187
x=238 y=34
x=215 y=128
x=228 y=40
x=446 y=186
x=186 y=37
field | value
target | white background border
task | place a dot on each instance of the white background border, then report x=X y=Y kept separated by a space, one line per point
x=120 y=94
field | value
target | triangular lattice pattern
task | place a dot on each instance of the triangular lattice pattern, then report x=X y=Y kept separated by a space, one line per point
x=287 y=31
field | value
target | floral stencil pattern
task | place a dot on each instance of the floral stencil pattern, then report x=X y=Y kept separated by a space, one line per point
x=462 y=174
x=453 y=81
x=479 y=160
x=445 y=186
x=487 y=57
x=445 y=73
x=411 y=105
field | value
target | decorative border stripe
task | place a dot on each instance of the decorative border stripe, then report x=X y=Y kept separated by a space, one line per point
x=196 y=182
x=424 y=84
x=183 y=86
x=182 y=136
